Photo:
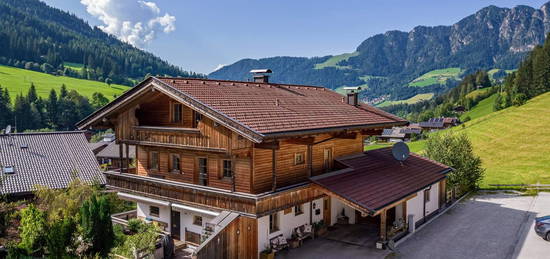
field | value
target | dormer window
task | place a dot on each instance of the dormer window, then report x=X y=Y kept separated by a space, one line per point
x=8 y=170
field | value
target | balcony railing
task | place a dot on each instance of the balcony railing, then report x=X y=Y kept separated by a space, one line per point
x=186 y=138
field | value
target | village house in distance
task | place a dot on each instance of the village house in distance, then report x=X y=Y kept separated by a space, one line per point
x=233 y=168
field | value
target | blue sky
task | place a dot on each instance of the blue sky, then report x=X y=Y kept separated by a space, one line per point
x=210 y=33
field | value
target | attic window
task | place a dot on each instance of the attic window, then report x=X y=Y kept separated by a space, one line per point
x=8 y=170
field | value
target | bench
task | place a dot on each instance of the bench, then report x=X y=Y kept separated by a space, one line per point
x=303 y=232
x=278 y=243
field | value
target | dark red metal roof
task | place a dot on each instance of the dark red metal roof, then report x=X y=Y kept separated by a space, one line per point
x=375 y=179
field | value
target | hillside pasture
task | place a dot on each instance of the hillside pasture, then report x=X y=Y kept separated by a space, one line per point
x=18 y=81
x=438 y=76
x=412 y=100
x=334 y=60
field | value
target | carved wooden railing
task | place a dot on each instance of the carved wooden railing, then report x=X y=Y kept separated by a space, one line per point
x=187 y=138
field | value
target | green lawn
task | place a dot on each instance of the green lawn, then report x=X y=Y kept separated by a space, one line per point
x=483 y=108
x=18 y=81
x=415 y=146
x=331 y=62
x=438 y=76
x=412 y=100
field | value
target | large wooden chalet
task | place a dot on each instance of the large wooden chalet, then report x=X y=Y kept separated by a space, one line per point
x=229 y=166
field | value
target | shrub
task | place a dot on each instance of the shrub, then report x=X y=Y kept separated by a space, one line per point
x=455 y=150
x=32 y=230
x=59 y=237
x=97 y=228
x=143 y=241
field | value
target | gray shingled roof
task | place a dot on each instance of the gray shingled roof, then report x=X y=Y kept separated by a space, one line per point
x=112 y=151
x=50 y=159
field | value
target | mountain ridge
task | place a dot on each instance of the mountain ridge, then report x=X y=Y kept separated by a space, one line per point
x=493 y=37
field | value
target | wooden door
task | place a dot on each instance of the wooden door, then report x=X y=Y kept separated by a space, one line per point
x=203 y=171
x=326 y=210
x=175 y=228
x=327 y=160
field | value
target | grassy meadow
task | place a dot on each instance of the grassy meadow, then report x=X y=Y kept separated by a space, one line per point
x=513 y=143
x=438 y=76
x=483 y=108
x=331 y=62
x=412 y=100
x=18 y=81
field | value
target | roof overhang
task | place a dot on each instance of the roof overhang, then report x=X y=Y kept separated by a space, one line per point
x=153 y=83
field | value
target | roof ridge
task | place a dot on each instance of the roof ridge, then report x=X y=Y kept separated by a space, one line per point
x=238 y=81
x=45 y=133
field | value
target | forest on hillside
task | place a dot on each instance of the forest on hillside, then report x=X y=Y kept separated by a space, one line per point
x=41 y=38
x=60 y=111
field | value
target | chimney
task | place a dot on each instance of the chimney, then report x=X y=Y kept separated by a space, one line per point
x=261 y=75
x=352 y=95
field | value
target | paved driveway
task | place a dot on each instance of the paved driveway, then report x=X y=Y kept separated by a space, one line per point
x=487 y=226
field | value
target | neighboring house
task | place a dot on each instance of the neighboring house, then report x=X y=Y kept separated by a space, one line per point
x=397 y=134
x=50 y=159
x=229 y=166
x=439 y=123
x=108 y=156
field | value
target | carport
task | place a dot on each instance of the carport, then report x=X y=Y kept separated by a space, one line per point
x=382 y=191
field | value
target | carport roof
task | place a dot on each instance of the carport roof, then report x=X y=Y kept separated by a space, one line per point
x=374 y=179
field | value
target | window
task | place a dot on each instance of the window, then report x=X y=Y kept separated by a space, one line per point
x=175 y=163
x=299 y=158
x=273 y=222
x=154 y=211
x=203 y=171
x=298 y=210
x=197 y=220
x=197 y=118
x=227 y=168
x=154 y=160
x=427 y=195
x=177 y=110
x=8 y=170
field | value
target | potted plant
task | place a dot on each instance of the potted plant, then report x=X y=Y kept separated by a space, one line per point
x=320 y=228
x=294 y=242
x=267 y=253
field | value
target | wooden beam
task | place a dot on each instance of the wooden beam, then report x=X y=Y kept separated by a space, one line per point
x=383 y=227
x=309 y=160
x=127 y=158
x=267 y=145
x=372 y=132
x=274 y=169
x=301 y=141
x=347 y=202
x=120 y=157
x=346 y=135
x=387 y=207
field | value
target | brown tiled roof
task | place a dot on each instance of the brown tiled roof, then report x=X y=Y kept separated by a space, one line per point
x=271 y=108
x=375 y=179
x=49 y=159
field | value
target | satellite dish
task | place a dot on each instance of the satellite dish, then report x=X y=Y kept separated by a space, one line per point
x=8 y=129
x=400 y=151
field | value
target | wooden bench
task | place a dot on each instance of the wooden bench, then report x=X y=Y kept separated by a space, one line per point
x=278 y=243
x=304 y=231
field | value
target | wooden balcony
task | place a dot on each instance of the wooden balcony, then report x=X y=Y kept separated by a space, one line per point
x=172 y=137
x=255 y=205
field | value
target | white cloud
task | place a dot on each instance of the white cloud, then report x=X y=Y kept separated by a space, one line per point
x=220 y=66
x=134 y=21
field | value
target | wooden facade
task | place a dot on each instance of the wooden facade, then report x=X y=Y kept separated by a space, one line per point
x=184 y=159
x=236 y=240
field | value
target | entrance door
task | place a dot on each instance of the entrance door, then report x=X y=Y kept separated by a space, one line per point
x=203 y=171
x=326 y=210
x=175 y=229
x=327 y=160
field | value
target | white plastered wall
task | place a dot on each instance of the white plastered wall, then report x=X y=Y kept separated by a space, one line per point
x=416 y=204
